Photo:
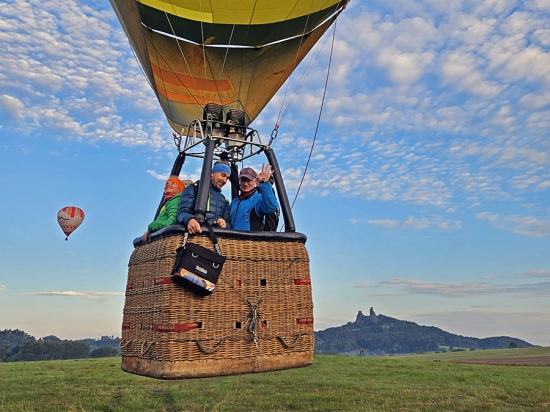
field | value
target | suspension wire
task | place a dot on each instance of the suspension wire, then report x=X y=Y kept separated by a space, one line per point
x=305 y=74
x=278 y=121
x=231 y=37
x=141 y=66
x=160 y=57
x=203 y=46
x=312 y=60
x=168 y=65
x=244 y=100
x=184 y=59
x=228 y=47
x=318 y=119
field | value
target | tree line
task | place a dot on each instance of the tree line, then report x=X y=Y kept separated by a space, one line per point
x=18 y=346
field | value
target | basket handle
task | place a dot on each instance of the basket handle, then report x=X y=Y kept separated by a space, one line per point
x=209 y=351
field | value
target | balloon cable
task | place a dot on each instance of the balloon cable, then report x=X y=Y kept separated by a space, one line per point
x=279 y=118
x=184 y=59
x=318 y=119
x=301 y=82
x=306 y=72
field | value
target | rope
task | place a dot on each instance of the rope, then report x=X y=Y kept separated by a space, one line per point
x=209 y=351
x=251 y=324
x=318 y=118
x=293 y=344
x=145 y=350
x=123 y=345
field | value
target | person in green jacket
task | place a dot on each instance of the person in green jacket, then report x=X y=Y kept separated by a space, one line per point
x=167 y=215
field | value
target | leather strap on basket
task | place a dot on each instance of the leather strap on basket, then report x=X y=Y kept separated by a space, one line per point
x=213 y=238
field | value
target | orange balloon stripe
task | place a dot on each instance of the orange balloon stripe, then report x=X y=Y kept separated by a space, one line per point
x=72 y=211
x=190 y=82
x=184 y=98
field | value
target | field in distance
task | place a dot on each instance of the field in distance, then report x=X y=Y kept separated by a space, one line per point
x=538 y=356
x=431 y=382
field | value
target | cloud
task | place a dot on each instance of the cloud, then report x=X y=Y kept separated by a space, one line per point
x=93 y=296
x=537 y=274
x=12 y=105
x=2 y=287
x=405 y=67
x=157 y=175
x=72 y=73
x=463 y=290
x=521 y=225
x=430 y=105
x=415 y=223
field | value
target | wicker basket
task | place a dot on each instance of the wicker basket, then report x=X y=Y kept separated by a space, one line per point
x=260 y=317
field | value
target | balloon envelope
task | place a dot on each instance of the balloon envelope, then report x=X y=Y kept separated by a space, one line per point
x=235 y=54
x=69 y=218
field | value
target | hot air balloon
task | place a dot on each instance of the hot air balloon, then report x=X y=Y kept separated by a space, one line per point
x=69 y=219
x=213 y=67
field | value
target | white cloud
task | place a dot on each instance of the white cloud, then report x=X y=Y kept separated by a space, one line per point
x=521 y=225
x=416 y=224
x=464 y=289
x=12 y=105
x=425 y=103
x=537 y=274
x=72 y=72
x=93 y=296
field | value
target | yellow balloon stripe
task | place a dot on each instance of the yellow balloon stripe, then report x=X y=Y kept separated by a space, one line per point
x=241 y=12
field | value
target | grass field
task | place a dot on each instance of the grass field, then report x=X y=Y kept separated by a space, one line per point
x=431 y=382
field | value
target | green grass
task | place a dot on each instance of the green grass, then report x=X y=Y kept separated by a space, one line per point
x=332 y=383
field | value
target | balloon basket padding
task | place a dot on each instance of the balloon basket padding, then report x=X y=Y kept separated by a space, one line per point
x=170 y=333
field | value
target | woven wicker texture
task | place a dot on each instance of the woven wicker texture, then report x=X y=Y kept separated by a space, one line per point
x=261 y=309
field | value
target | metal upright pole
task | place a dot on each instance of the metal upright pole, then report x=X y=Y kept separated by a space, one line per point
x=281 y=191
x=178 y=163
x=234 y=179
x=204 y=182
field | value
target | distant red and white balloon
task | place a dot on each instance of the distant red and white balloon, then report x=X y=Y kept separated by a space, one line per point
x=69 y=218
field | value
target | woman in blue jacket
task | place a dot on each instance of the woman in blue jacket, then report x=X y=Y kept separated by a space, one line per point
x=256 y=200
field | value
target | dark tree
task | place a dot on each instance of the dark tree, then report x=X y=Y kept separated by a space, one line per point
x=104 y=352
x=4 y=352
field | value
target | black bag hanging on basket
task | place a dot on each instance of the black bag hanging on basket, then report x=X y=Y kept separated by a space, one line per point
x=197 y=268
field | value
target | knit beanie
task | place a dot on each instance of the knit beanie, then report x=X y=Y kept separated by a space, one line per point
x=221 y=168
x=178 y=182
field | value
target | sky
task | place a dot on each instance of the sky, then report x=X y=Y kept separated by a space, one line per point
x=427 y=196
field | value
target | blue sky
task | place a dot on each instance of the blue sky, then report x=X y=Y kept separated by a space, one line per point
x=427 y=196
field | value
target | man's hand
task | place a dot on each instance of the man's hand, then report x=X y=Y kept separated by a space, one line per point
x=220 y=223
x=193 y=227
x=265 y=174
x=145 y=236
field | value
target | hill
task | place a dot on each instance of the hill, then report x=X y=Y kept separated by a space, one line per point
x=382 y=335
